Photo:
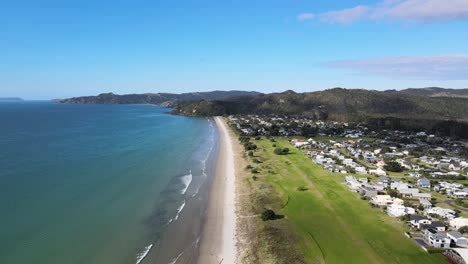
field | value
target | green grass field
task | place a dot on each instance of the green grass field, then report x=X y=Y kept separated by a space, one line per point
x=328 y=223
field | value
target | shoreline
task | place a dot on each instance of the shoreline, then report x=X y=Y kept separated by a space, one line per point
x=218 y=238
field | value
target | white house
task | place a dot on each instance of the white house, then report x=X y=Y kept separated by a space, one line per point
x=436 y=239
x=385 y=200
x=457 y=238
x=425 y=203
x=442 y=212
x=378 y=172
x=418 y=221
x=397 y=210
x=361 y=170
x=422 y=196
x=459 y=194
x=408 y=192
x=458 y=222
x=397 y=185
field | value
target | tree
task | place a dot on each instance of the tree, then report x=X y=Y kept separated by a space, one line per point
x=393 y=166
x=463 y=229
x=392 y=193
x=268 y=215
x=278 y=151
x=285 y=151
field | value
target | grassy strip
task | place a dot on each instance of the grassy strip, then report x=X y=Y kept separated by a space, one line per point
x=326 y=223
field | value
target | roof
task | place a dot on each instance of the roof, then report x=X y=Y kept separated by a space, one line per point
x=437 y=224
x=424 y=181
x=455 y=234
x=425 y=202
x=416 y=217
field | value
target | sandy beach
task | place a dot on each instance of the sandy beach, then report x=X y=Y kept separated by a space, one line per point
x=218 y=240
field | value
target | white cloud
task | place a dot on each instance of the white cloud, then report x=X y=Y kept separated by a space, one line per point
x=425 y=11
x=305 y=16
x=346 y=16
x=443 y=67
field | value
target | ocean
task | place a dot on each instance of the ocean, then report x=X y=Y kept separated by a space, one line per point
x=102 y=183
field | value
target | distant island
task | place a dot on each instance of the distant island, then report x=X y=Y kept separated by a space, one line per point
x=163 y=99
x=10 y=99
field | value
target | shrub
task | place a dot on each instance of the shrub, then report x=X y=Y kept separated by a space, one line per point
x=463 y=229
x=254 y=170
x=273 y=145
x=278 y=151
x=254 y=178
x=302 y=188
x=285 y=151
x=258 y=138
x=251 y=153
x=433 y=250
x=268 y=215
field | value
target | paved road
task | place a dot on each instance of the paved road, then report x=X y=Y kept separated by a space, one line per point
x=450 y=202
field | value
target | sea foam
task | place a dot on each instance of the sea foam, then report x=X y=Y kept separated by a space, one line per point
x=186 y=180
x=143 y=254
x=179 y=210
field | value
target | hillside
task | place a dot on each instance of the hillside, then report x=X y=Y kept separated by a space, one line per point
x=153 y=98
x=335 y=104
x=435 y=92
x=447 y=116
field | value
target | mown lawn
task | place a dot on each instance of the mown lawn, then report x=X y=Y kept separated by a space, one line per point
x=331 y=224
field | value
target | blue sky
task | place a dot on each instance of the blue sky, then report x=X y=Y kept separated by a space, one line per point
x=56 y=49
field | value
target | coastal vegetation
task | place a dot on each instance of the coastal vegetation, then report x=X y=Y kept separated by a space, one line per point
x=323 y=222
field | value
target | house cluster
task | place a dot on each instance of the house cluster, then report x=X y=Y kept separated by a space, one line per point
x=435 y=233
x=377 y=194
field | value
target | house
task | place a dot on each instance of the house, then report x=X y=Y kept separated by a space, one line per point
x=363 y=180
x=352 y=183
x=408 y=192
x=385 y=200
x=368 y=192
x=457 y=239
x=459 y=194
x=439 y=226
x=423 y=196
x=436 y=239
x=384 y=181
x=424 y=183
x=397 y=185
x=378 y=172
x=425 y=203
x=397 y=210
x=443 y=166
x=442 y=212
x=458 y=222
x=418 y=221
x=360 y=170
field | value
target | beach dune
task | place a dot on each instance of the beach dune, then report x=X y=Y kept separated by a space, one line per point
x=218 y=239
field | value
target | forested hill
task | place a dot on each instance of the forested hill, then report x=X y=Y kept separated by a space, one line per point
x=165 y=99
x=378 y=109
x=435 y=92
x=337 y=104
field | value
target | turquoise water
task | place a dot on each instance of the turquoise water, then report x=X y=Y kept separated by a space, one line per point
x=94 y=183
